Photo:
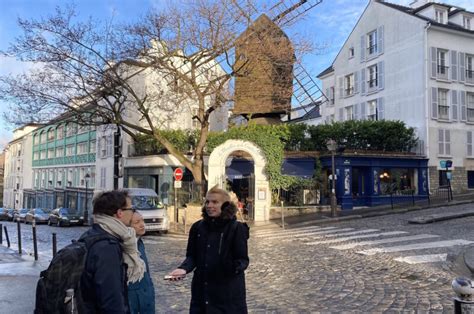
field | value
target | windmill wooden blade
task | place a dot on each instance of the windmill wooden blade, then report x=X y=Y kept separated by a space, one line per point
x=306 y=91
x=284 y=12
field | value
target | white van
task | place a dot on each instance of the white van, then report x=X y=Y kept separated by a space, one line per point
x=146 y=201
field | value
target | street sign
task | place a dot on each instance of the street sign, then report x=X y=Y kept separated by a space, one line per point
x=178 y=184
x=449 y=163
x=442 y=164
x=178 y=174
x=449 y=175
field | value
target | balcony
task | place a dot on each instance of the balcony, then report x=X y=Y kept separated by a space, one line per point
x=443 y=72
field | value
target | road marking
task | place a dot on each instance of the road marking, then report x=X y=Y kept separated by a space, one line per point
x=313 y=234
x=382 y=241
x=296 y=233
x=277 y=231
x=426 y=245
x=418 y=259
x=373 y=235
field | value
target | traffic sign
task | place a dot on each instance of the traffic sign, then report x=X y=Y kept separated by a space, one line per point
x=178 y=174
x=449 y=163
x=178 y=184
x=442 y=164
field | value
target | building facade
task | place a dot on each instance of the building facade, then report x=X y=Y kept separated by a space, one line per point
x=413 y=64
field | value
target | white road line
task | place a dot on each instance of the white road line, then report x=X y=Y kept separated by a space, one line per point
x=373 y=235
x=312 y=234
x=338 y=235
x=295 y=233
x=382 y=241
x=277 y=231
x=427 y=245
x=418 y=259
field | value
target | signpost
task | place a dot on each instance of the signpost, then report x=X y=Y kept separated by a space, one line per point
x=178 y=176
x=448 y=164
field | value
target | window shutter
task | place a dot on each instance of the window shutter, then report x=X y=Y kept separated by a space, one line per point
x=380 y=109
x=469 y=143
x=454 y=105
x=381 y=75
x=447 y=140
x=362 y=48
x=454 y=65
x=356 y=112
x=380 y=40
x=462 y=104
x=462 y=68
x=356 y=82
x=341 y=87
x=341 y=114
x=434 y=63
x=328 y=90
x=362 y=81
x=110 y=145
x=441 y=142
x=363 y=113
x=434 y=103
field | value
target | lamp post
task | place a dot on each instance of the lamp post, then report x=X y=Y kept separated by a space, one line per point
x=332 y=147
x=86 y=209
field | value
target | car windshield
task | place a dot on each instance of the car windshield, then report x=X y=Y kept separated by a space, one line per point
x=40 y=211
x=24 y=210
x=146 y=202
x=67 y=211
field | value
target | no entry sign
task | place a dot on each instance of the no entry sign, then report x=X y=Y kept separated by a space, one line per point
x=178 y=174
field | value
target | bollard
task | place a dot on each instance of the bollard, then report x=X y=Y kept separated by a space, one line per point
x=463 y=302
x=1 y=234
x=185 y=219
x=54 y=245
x=282 y=216
x=413 y=196
x=18 y=227
x=35 y=244
x=6 y=236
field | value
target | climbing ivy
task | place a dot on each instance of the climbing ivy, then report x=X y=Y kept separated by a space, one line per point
x=146 y=144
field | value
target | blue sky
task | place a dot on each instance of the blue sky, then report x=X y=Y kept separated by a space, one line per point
x=329 y=23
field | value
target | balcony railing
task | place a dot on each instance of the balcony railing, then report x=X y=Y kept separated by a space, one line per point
x=443 y=72
x=372 y=49
x=470 y=76
x=443 y=112
x=349 y=91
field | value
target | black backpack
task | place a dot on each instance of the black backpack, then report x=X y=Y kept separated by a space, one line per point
x=58 y=289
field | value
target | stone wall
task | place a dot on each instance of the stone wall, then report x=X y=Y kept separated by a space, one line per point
x=458 y=182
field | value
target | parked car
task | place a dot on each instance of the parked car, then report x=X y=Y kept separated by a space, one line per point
x=10 y=213
x=65 y=217
x=40 y=215
x=154 y=213
x=20 y=214
x=4 y=214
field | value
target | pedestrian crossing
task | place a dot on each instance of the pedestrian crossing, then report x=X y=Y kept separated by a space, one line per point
x=405 y=247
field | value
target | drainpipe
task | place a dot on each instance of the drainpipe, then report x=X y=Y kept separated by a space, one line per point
x=427 y=65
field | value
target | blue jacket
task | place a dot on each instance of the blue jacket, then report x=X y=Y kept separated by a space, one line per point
x=141 y=294
x=104 y=280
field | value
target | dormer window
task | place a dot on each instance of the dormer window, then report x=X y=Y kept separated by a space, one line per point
x=439 y=16
x=466 y=22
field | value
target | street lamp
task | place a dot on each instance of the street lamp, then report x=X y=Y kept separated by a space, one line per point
x=86 y=210
x=332 y=147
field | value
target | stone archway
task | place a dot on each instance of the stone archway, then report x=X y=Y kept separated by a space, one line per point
x=216 y=173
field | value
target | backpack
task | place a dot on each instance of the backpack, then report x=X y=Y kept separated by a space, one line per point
x=58 y=289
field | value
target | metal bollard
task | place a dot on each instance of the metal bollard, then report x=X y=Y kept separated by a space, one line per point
x=1 y=234
x=282 y=216
x=463 y=302
x=18 y=227
x=54 y=245
x=35 y=244
x=6 y=235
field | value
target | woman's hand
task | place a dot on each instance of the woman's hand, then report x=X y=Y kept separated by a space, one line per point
x=176 y=274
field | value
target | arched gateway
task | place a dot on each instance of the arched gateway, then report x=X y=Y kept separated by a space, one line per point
x=217 y=170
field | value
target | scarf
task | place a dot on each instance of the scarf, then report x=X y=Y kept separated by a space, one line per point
x=131 y=256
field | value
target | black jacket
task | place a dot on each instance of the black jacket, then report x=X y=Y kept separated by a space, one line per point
x=104 y=280
x=217 y=252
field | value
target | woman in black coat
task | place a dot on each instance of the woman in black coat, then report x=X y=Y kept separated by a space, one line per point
x=217 y=252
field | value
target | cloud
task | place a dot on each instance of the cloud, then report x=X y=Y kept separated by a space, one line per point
x=9 y=65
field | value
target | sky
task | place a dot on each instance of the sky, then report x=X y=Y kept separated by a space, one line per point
x=328 y=24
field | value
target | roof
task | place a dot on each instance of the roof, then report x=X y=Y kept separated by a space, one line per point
x=413 y=12
x=312 y=114
x=326 y=71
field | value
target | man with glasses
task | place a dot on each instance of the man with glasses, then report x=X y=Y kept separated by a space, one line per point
x=112 y=260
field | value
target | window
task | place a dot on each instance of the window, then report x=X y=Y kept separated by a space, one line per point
x=92 y=147
x=51 y=134
x=439 y=16
x=43 y=154
x=60 y=132
x=470 y=69
x=443 y=107
x=60 y=151
x=83 y=129
x=349 y=84
x=110 y=145
x=103 y=146
x=351 y=52
x=372 y=77
x=372 y=42
x=349 y=113
x=469 y=144
x=70 y=150
x=331 y=95
x=470 y=106
x=42 y=137
x=444 y=142
x=441 y=62
x=35 y=156
x=51 y=153
x=71 y=129
x=82 y=148
x=466 y=22
x=372 y=110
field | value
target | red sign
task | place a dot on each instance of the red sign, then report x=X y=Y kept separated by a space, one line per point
x=178 y=174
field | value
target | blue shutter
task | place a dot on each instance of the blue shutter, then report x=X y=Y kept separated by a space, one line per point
x=454 y=104
x=362 y=48
x=363 y=112
x=381 y=75
x=454 y=65
x=341 y=87
x=434 y=103
x=462 y=103
x=356 y=82
x=380 y=109
x=362 y=81
x=380 y=40
x=462 y=68
x=434 y=63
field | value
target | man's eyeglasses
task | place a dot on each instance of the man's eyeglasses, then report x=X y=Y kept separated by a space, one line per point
x=133 y=209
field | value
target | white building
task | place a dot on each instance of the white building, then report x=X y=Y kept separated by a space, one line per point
x=414 y=64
